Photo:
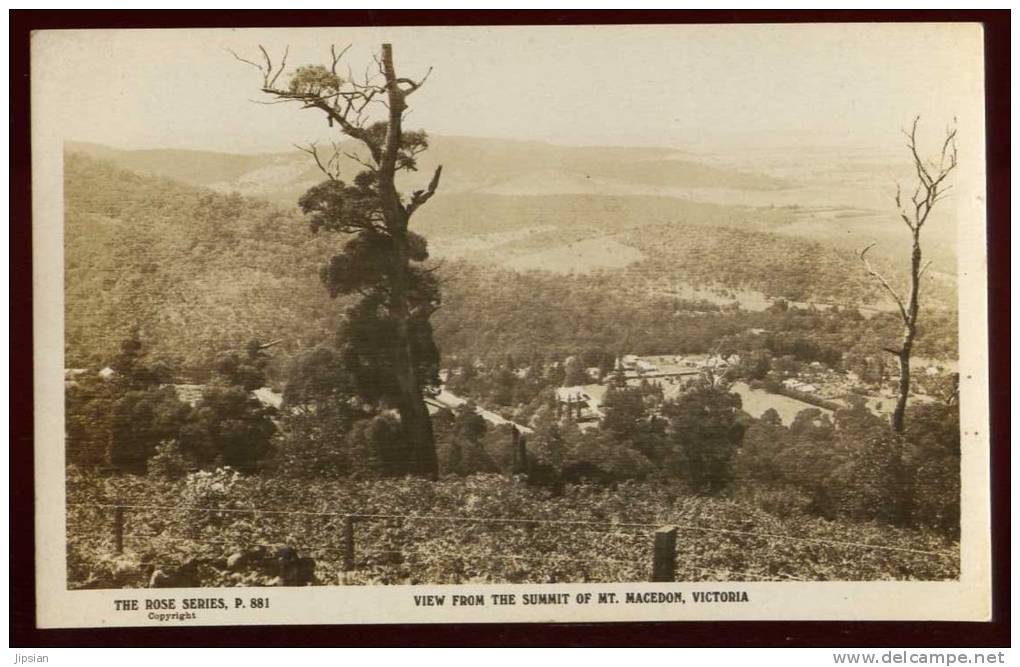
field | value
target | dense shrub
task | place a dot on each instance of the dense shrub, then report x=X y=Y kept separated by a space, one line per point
x=171 y=461
x=116 y=419
x=706 y=427
x=229 y=427
x=119 y=421
x=933 y=465
x=139 y=420
x=855 y=468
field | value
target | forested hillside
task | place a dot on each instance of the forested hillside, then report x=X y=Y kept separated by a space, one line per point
x=490 y=312
x=200 y=273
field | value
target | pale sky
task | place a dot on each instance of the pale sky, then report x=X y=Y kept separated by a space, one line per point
x=689 y=87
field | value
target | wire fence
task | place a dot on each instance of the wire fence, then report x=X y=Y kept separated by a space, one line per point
x=393 y=544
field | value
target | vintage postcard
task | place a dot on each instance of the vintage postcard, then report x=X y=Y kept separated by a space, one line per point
x=503 y=324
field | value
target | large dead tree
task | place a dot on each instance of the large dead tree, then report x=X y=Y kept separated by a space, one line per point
x=930 y=188
x=389 y=346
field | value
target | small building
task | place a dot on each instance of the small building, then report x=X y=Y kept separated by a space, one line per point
x=449 y=401
x=192 y=395
x=268 y=397
x=189 y=393
x=581 y=403
x=798 y=385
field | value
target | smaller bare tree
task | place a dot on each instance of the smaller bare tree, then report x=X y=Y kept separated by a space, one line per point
x=931 y=188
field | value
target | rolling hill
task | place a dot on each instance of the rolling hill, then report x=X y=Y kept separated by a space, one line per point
x=490 y=186
x=470 y=166
x=200 y=272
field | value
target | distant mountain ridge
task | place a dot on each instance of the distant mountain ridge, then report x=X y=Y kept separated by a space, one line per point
x=826 y=196
x=473 y=165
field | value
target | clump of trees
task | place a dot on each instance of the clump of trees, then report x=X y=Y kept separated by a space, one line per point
x=601 y=315
x=130 y=418
x=117 y=418
x=705 y=428
x=854 y=467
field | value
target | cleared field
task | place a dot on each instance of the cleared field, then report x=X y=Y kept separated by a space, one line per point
x=757 y=401
x=465 y=246
x=579 y=257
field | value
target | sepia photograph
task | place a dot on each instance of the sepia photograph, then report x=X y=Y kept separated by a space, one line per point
x=447 y=323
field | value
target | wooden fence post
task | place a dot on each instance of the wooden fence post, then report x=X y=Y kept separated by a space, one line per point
x=664 y=555
x=348 y=563
x=118 y=530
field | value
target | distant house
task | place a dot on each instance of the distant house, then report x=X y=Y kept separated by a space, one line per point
x=445 y=399
x=664 y=370
x=192 y=394
x=645 y=366
x=581 y=403
x=720 y=361
x=797 y=385
x=189 y=393
x=627 y=362
x=268 y=397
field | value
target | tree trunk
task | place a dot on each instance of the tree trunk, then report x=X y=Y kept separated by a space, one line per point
x=419 y=441
x=909 y=332
x=904 y=386
x=420 y=445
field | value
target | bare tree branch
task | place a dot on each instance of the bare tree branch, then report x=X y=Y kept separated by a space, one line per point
x=922 y=173
x=863 y=254
x=357 y=158
x=432 y=269
x=329 y=168
x=244 y=60
x=343 y=105
x=413 y=85
x=923 y=269
x=336 y=57
x=269 y=73
x=419 y=197
x=283 y=66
